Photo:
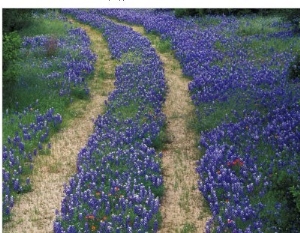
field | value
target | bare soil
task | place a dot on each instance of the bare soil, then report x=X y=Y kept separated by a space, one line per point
x=35 y=211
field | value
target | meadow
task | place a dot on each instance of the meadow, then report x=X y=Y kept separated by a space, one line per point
x=55 y=68
x=247 y=113
x=244 y=85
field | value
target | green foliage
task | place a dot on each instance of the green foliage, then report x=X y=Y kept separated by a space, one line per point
x=164 y=46
x=257 y=25
x=11 y=44
x=162 y=139
x=40 y=25
x=188 y=12
x=188 y=228
x=263 y=45
x=295 y=191
x=222 y=11
x=294 y=69
x=80 y=93
x=209 y=115
x=132 y=57
x=207 y=21
x=16 y=19
x=229 y=11
x=28 y=86
x=292 y=16
x=283 y=202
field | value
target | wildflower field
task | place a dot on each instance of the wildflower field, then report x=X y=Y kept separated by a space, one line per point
x=244 y=85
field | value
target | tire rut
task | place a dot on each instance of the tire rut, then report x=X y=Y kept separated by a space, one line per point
x=183 y=208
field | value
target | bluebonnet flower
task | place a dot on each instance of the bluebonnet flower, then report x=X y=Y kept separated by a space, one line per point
x=118 y=163
x=240 y=156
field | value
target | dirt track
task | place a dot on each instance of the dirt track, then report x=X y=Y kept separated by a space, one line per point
x=182 y=205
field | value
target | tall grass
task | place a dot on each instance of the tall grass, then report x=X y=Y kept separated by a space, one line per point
x=258 y=25
x=48 y=24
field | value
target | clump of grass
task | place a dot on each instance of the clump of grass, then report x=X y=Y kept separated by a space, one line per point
x=126 y=111
x=257 y=25
x=162 y=139
x=43 y=26
x=134 y=57
x=207 y=21
x=164 y=46
x=188 y=228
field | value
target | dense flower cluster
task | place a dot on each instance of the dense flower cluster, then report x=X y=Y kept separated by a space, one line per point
x=65 y=70
x=18 y=151
x=118 y=180
x=71 y=63
x=244 y=156
x=242 y=160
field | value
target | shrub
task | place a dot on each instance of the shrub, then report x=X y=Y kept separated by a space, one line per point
x=16 y=19
x=188 y=12
x=11 y=46
x=295 y=191
x=287 y=195
x=294 y=69
x=292 y=16
x=222 y=11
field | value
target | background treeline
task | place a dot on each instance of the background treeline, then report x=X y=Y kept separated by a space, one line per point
x=291 y=15
x=17 y=19
x=13 y=21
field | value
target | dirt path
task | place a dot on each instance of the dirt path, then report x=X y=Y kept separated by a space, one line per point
x=35 y=211
x=182 y=207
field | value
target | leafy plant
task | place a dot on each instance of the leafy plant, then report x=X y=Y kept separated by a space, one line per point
x=188 y=12
x=16 y=19
x=292 y=16
x=295 y=191
x=286 y=195
x=294 y=69
x=11 y=46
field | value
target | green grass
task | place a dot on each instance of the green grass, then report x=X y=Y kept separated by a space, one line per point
x=207 y=21
x=134 y=57
x=211 y=115
x=163 y=138
x=36 y=94
x=126 y=111
x=43 y=26
x=257 y=25
x=259 y=47
x=262 y=46
x=31 y=85
x=187 y=228
x=163 y=46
